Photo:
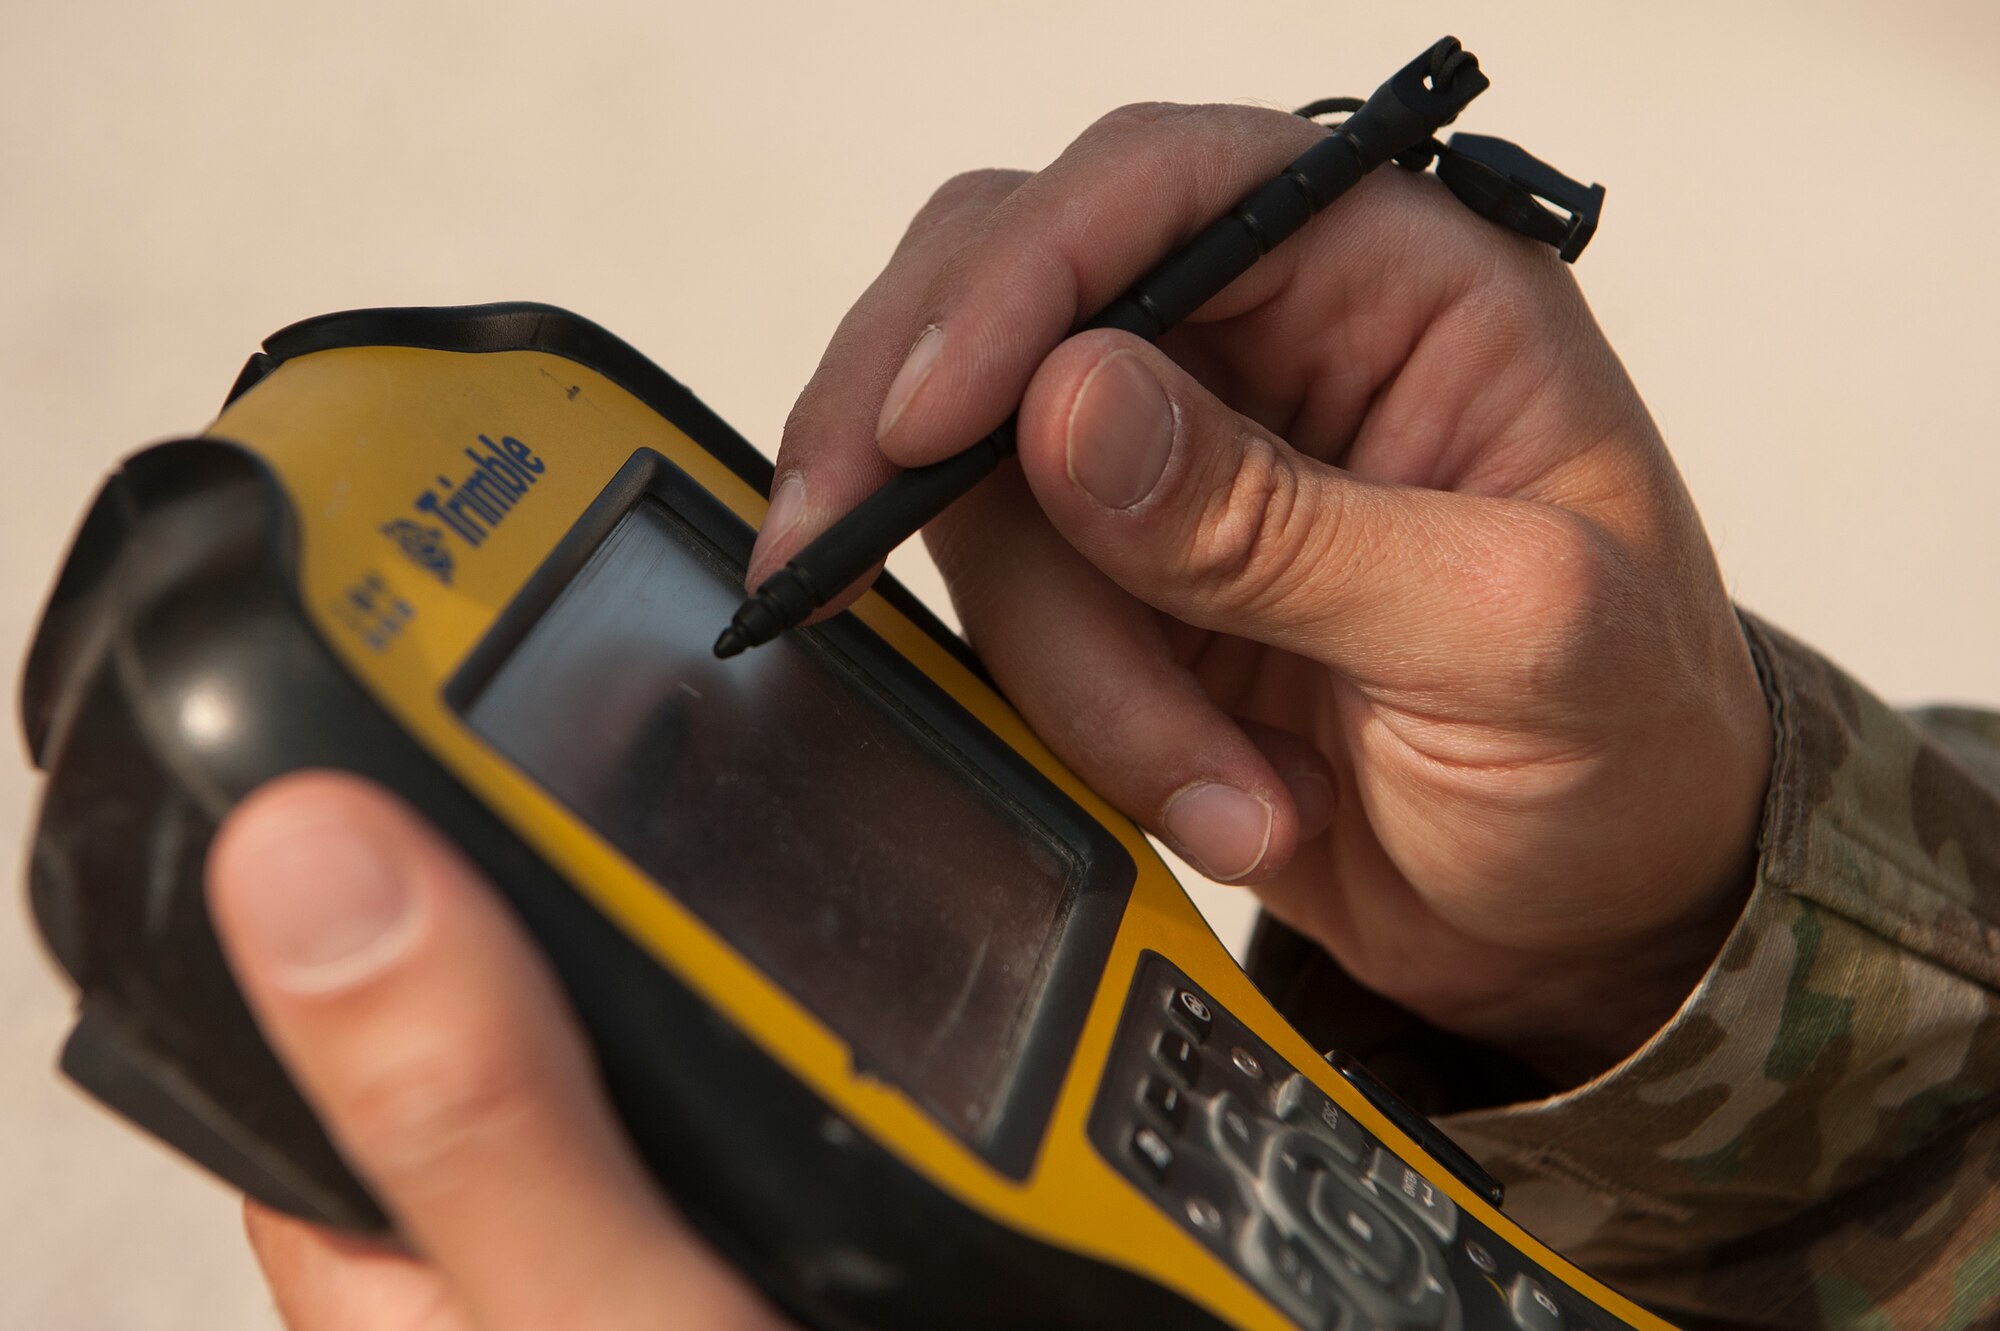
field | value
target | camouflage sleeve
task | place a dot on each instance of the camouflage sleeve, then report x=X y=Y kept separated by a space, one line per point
x=1812 y=1141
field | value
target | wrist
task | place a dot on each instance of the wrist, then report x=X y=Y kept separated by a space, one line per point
x=1604 y=1010
x=1620 y=1001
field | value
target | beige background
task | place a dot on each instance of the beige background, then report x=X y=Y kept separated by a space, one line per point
x=715 y=182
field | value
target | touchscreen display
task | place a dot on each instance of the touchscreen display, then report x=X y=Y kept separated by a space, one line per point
x=792 y=806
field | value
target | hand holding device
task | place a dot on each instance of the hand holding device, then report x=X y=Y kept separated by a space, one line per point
x=434 y=1043
x=1374 y=585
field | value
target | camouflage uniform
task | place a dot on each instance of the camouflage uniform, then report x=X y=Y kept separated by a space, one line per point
x=1812 y=1141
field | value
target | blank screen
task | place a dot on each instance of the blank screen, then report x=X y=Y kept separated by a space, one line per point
x=780 y=796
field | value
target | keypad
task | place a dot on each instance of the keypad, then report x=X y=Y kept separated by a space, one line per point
x=1247 y=1154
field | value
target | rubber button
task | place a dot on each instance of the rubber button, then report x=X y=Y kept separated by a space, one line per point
x=1532 y=1307
x=1239 y=1137
x=1176 y=1053
x=1305 y=1106
x=1425 y=1200
x=1152 y=1151
x=1165 y=1099
x=1191 y=1010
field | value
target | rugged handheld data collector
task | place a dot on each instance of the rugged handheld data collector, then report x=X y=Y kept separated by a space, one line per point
x=915 y=1027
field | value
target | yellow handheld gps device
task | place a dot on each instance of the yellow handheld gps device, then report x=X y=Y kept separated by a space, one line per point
x=917 y=1029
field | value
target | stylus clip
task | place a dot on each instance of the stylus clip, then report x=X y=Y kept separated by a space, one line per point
x=1509 y=186
x=1415 y=1126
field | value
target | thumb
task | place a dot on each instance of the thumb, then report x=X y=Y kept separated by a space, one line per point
x=433 y=1041
x=1204 y=514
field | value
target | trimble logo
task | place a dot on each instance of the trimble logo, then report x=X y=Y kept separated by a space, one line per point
x=501 y=476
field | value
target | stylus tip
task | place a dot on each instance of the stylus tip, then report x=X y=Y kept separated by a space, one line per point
x=731 y=643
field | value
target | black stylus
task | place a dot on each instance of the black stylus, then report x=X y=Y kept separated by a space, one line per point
x=1404 y=114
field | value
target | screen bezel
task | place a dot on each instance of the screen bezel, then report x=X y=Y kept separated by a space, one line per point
x=1103 y=872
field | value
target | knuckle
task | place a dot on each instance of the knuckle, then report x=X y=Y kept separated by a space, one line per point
x=1251 y=532
x=1500 y=307
x=1133 y=118
x=431 y=1121
x=1555 y=595
x=976 y=192
x=1514 y=304
x=1413 y=223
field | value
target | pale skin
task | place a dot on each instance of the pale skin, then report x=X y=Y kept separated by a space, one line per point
x=1373 y=589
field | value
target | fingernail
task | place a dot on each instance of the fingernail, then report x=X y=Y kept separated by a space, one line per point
x=1221 y=829
x=916 y=368
x=1313 y=796
x=788 y=505
x=327 y=904
x=1121 y=432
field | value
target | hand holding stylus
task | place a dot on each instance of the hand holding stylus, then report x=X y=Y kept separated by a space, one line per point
x=1373 y=585
x=1400 y=121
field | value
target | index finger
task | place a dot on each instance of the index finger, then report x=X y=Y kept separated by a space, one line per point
x=1061 y=247
x=828 y=462
x=994 y=273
